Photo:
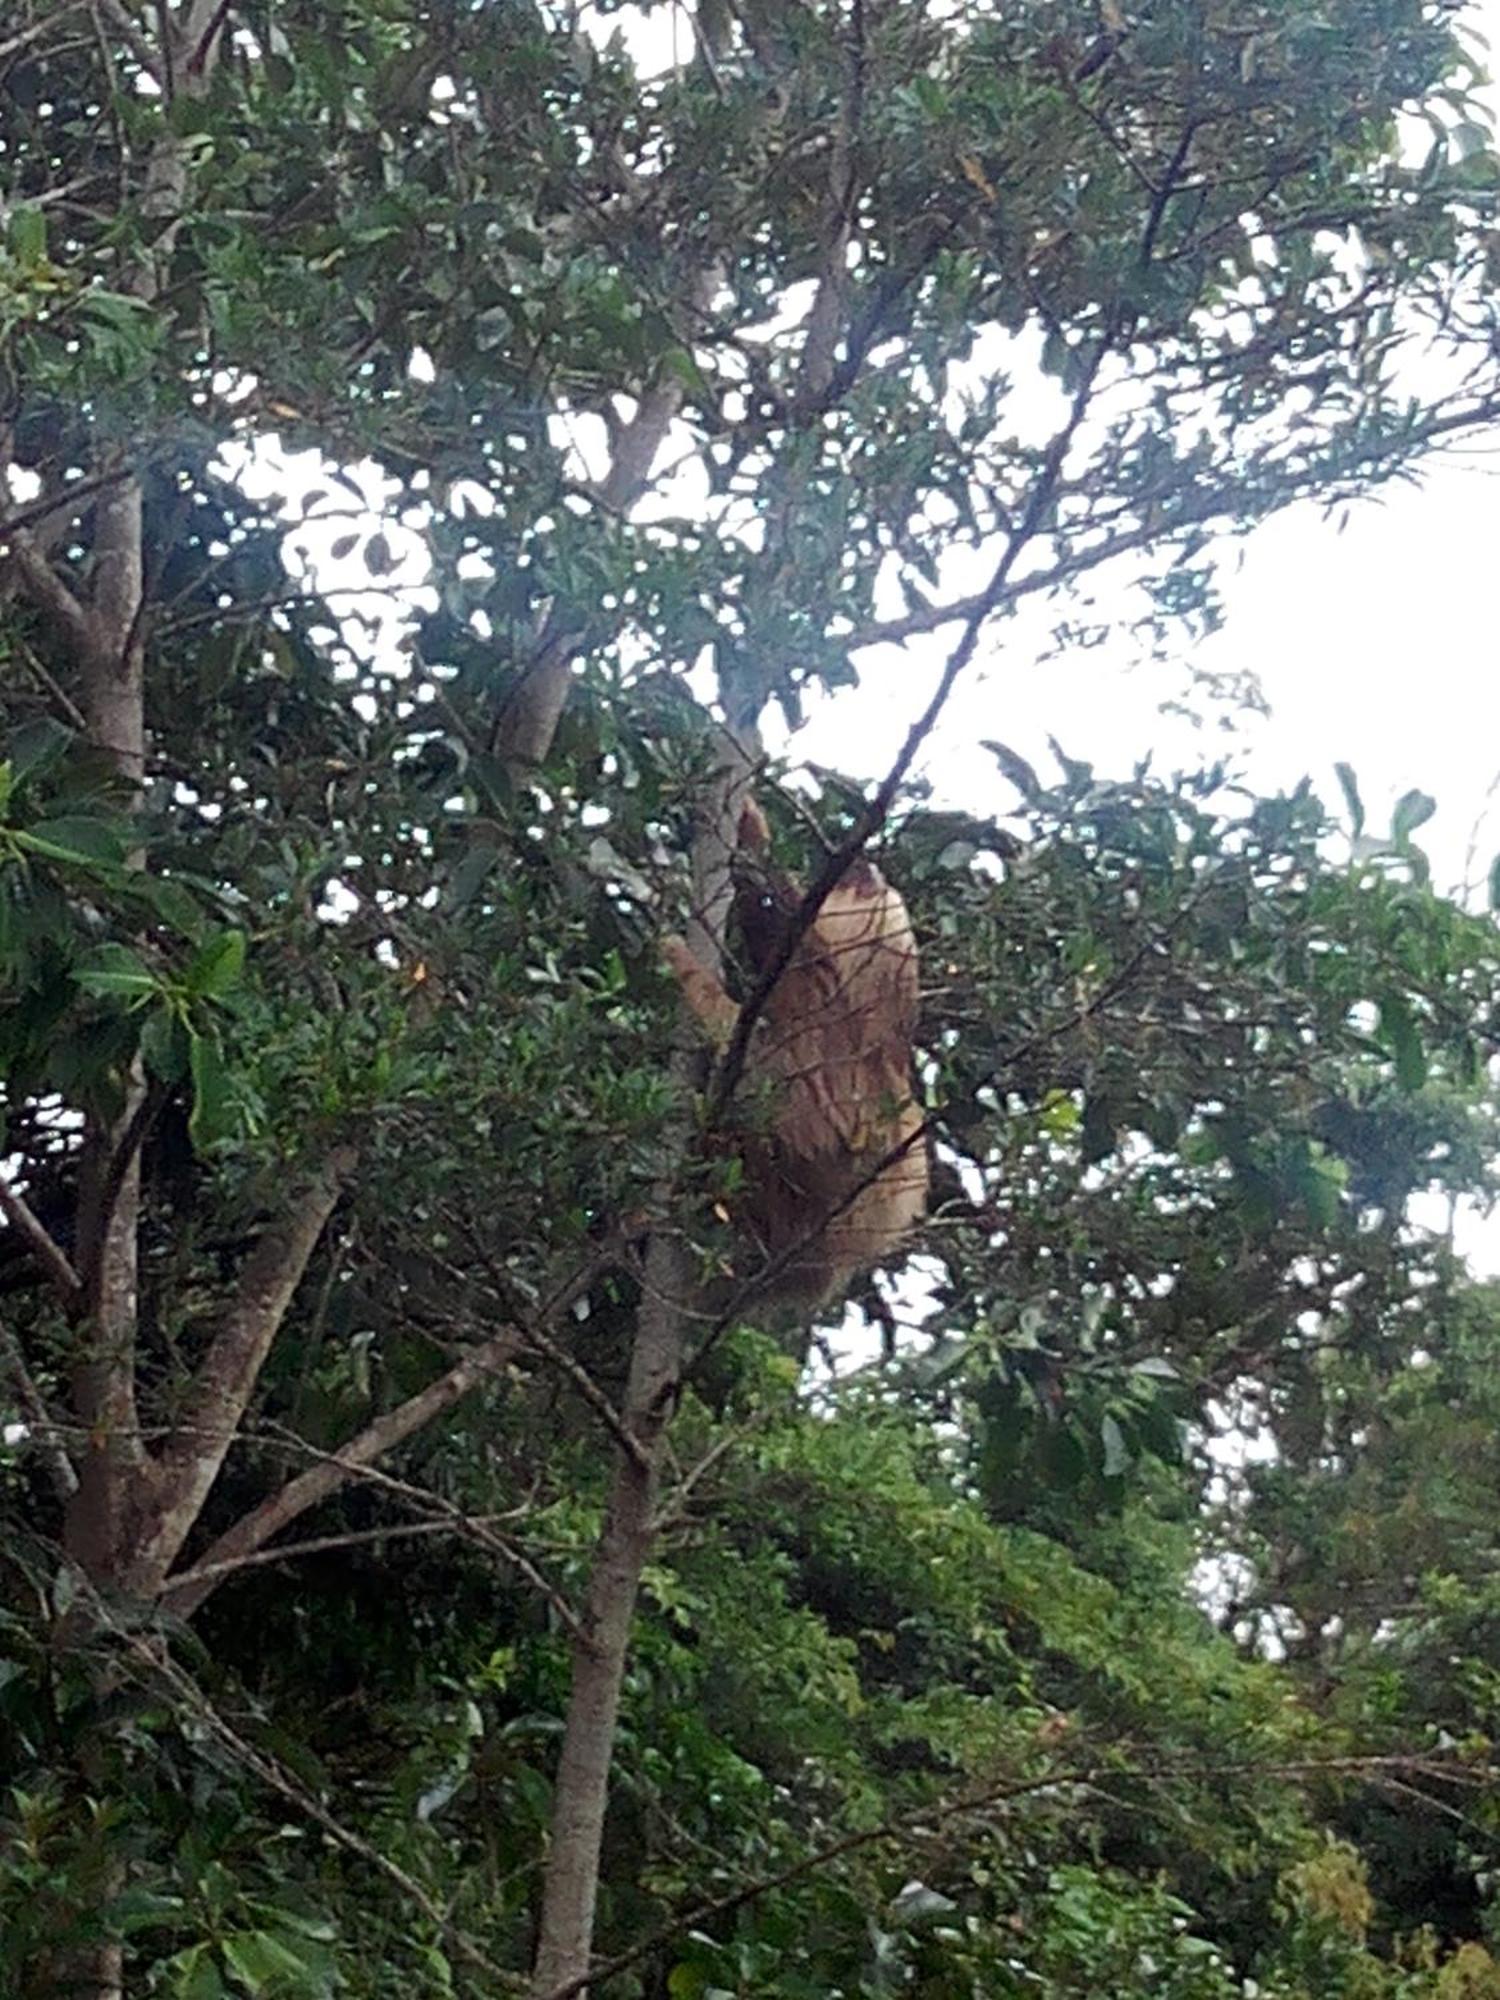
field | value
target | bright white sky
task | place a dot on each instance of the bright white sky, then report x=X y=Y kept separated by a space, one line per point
x=1378 y=646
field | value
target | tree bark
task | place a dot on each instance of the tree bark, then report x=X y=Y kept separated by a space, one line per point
x=115 y=1472
x=571 y=1884
x=668 y=1313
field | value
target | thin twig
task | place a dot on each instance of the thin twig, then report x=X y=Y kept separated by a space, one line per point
x=47 y=679
x=471 y=1526
x=322 y=1545
x=39 y=1421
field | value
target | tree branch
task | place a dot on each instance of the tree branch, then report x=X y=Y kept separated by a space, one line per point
x=130 y=33
x=529 y=717
x=183 y=1594
x=1199 y=510
x=203 y=28
x=826 y=320
x=45 y=1430
x=24 y=1220
x=227 y=1375
x=49 y=593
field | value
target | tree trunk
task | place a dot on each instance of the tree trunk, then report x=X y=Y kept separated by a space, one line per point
x=570 y=1888
x=106 y=1513
x=571 y=1884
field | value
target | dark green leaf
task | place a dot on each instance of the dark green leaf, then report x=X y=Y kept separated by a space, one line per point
x=214 y=1115
x=115 y=970
x=1016 y=768
x=264 y=1963
x=218 y=967
x=83 y=842
x=26 y=234
x=35 y=747
x=164 y=1046
x=1402 y=1036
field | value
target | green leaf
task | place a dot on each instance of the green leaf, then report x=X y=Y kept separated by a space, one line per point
x=1352 y=799
x=122 y=314
x=27 y=235
x=1015 y=767
x=192 y=1975
x=114 y=969
x=1098 y=1129
x=83 y=842
x=1413 y=809
x=1321 y=1185
x=1495 y=883
x=679 y=362
x=1116 y=1450
x=318 y=1929
x=7 y=785
x=1158 y=1367
x=214 y=1116
x=218 y=967
x=1060 y=1116
x=469 y=873
x=266 y=1964
x=139 y=1908
x=1401 y=1035
x=36 y=746
x=164 y=1046
x=170 y=901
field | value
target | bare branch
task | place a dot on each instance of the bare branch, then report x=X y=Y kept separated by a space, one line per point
x=129 y=31
x=49 y=681
x=24 y=1220
x=36 y=512
x=49 y=593
x=13 y=44
x=203 y=28
x=826 y=320
x=252 y=1531
x=323 y=1545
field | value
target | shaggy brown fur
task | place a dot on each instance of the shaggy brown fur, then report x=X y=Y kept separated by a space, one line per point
x=834 y=1044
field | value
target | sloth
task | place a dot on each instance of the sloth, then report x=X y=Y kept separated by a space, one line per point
x=836 y=1168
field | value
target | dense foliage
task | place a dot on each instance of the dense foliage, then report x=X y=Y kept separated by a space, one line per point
x=350 y=1427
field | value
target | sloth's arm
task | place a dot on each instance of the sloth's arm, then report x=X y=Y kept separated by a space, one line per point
x=702 y=991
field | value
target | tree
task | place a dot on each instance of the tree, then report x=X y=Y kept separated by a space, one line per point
x=290 y=878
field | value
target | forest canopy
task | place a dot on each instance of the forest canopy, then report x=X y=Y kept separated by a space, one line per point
x=437 y=444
